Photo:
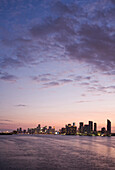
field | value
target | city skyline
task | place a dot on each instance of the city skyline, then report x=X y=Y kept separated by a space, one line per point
x=89 y=129
x=57 y=62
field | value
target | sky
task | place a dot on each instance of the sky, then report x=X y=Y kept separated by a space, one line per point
x=57 y=62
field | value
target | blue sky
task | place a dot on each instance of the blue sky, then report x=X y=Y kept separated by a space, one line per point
x=57 y=62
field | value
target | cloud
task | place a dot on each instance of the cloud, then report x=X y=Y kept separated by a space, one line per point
x=64 y=81
x=96 y=47
x=62 y=33
x=83 y=101
x=8 y=77
x=43 y=77
x=81 y=78
x=49 y=80
x=10 y=62
x=52 y=26
x=21 y=105
x=51 y=84
x=61 y=8
x=101 y=89
x=83 y=95
x=5 y=120
x=85 y=84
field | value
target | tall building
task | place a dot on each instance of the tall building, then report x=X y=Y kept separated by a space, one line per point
x=51 y=130
x=81 y=127
x=108 y=127
x=73 y=123
x=38 y=128
x=19 y=130
x=63 y=130
x=95 y=127
x=71 y=130
x=103 y=130
x=44 y=130
x=90 y=127
x=86 y=129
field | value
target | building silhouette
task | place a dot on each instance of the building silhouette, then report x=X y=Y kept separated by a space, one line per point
x=103 y=130
x=90 y=127
x=81 y=127
x=108 y=127
x=86 y=129
x=95 y=127
x=71 y=130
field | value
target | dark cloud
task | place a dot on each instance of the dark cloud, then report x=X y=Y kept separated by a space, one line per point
x=21 y=105
x=51 y=84
x=96 y=47
x=101 y=89
x=43 y=77
x=50 y=80
x=10 y=62
x=4 y=123
x=109 y=73
x=78 y=78
x=81 y=78
x=89 y=83
x=38 y=79
x=85 y=84
x=5 y=120
x=66 y=81
x=64 y=33
x=61 y=8
x=113 y=2
x=8 y=77
x=52 y=26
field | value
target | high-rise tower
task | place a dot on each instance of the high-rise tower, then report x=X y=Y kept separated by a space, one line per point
x=95 y=127
x=108 y=127
x=81 y=127
x=90 y=126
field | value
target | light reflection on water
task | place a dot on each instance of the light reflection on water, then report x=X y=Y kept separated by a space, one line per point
x=56 y=152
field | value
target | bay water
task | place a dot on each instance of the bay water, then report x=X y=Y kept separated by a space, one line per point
x=56 y=152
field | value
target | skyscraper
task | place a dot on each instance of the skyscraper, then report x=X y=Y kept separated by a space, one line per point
x=81 y=127
x=71 y=130
x=86 y=129
x=73 y=123
x=38 y=128
x=103 y=130
x=90 y=126
x=95 y=127
x=108 y=127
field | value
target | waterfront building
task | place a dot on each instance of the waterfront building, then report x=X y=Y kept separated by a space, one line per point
x=19 y=130
x=103 y=130
x=73 y=123
x=24 y=131
x=95 y=127
x=51 y=130
x=86 y=129
x=63 y=131
x=44 y=129
x=38 y=128
x=71 y=130
x=90 y=127
x=108 y=127
x=81 y=127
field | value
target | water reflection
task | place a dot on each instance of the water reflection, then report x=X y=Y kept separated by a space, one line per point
x=56 y=152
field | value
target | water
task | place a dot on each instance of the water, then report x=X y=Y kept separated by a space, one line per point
x=29 y=152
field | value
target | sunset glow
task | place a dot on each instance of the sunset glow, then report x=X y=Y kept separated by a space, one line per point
x=57 y=63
